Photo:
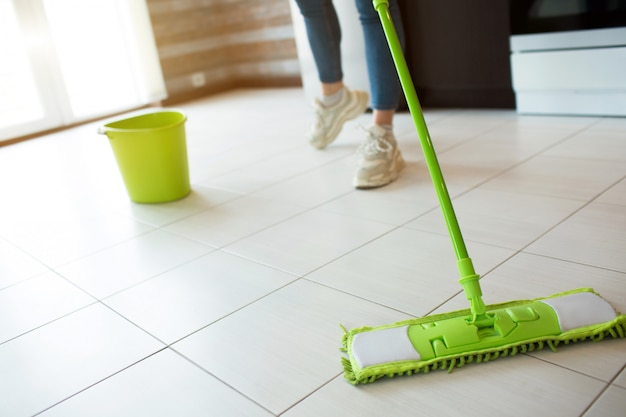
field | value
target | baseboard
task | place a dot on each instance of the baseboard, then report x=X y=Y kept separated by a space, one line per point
x=214 y=89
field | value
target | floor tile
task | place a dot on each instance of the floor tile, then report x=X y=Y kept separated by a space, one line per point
x=471 y=118
x=37 y=301
x=234 y=220
x=80 y=350
x=593 y=144
x=305 y=242
x=235 y=146
x=410 y=196
x=481 y=158
x=509 y=386
x=200 y=199
x=62 y=235
x=614 y=195
x=602 y=360
x=131 y=262
x=280 y=349
x=16 y=265
x=467 y=167
x=206 y=165
x=570 y=123
x=501 y=218
x=522 y=136
x=407 y=270
x=611 y=403
x=446 y=134
x=527 y=276
x=161 y=385
x=621 y=379
x=596 y=235
x=316 y=187
x=183 y=300
x=570 y=178
x=274 y=169
x=69 y=165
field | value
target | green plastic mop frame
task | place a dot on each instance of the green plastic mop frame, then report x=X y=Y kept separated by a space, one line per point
x=480 y=333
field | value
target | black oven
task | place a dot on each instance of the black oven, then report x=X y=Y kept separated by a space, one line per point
x=544 y=16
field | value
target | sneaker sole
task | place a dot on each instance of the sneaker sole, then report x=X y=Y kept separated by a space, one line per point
x=352 y=113
x=392 y=175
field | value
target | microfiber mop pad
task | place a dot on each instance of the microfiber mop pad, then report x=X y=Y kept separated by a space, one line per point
x=450 y=340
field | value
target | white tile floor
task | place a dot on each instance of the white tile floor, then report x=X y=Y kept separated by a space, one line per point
x=229 y=302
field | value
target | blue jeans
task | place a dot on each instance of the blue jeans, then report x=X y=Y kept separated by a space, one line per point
x=324 y=34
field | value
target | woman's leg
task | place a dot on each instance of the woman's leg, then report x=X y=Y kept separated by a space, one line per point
x=384 y=83
x=324 y=35
x=380 y=160
x=338 y=104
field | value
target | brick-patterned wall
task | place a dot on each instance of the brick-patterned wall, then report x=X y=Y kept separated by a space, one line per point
x=222 y=44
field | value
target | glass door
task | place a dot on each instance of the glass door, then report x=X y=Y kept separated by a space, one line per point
x=22 y=109
x=66 y=61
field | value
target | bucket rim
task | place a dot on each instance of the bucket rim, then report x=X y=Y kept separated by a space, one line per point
x=107 y=128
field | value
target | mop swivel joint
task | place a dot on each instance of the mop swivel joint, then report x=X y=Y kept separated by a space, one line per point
x=471 y=287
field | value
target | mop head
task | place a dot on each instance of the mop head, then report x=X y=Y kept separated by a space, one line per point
x=450 y=340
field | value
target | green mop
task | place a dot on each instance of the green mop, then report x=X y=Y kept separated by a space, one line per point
x=480 y=333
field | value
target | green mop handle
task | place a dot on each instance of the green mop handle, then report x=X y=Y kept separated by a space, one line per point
x=469 y=278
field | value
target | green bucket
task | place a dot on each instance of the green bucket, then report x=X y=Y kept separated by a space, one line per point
x=151 y=153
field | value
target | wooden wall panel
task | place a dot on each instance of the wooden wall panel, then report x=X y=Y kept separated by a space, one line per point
x=225 y=43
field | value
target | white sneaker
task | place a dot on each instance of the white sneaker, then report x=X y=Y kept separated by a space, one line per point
x=379 y=159
x=330 y=120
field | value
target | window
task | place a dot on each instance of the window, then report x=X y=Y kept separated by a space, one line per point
x=65 y=61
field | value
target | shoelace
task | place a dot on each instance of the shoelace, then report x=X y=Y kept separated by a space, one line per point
x=373 y=145
x=319 y=118
x=320 y=115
